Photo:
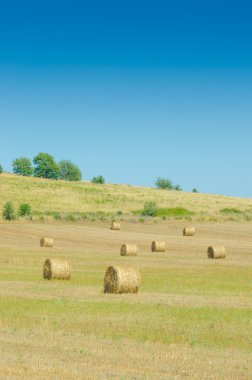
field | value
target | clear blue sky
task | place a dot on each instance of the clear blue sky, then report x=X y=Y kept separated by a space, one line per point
x=131 y=90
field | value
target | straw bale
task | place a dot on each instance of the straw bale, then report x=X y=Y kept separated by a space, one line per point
x=56 y=269
x=158 y=246
x=189 y=231
x=115 y=226
x=129 y=250
x=46 y=242
x=121 y=280
x=216 y=252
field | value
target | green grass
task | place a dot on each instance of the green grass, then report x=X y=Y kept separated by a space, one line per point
x=154 y=323
x=173 y=212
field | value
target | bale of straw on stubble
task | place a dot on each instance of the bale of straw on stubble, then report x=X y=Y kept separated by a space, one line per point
x=56 y=269
x=121 y=280
x=216 y=252
x=158 y=246
x=115 y=226
x=189 y=231
x=46 y=242
x=128 y=250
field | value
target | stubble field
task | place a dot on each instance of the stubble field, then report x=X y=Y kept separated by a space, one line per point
x=192 y=317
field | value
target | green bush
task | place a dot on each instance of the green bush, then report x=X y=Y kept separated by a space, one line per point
x=228 y=211
x=1 y=169
x=24 y=209
x=164 y=183
x=194 y=190
x=8 y=211
x=99 y=179
x=150 y=209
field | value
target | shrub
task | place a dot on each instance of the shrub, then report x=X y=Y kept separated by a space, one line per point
x=229 y=211
x=68 y=171
x=24 y=209
x=194 y=190
x=1 y=169
x=177 y=187
x=164 y=183
x=22 y=166
x=150 y=209
x=8 y=211
x=99 y=179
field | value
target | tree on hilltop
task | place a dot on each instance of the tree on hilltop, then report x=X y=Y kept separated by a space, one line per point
x=22 y=166
x=45 y=166
x=68 y=171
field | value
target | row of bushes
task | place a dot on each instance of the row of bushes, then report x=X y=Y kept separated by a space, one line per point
x=10 y=214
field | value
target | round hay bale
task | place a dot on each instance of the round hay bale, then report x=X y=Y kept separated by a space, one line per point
x=216 y=252
x=129 y=250
x=121 y=280
x=158 y=246
x=189 y=231
x=115 y=226
x=46 y=242
x=56 y=269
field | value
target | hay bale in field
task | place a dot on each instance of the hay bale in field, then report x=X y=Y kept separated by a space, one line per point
x=129 y=250
x=115 y=226
x=121 y=280
x=189 y=231
x=158 y=246
x=46 y=242
x=217 y=252
x=56 y=269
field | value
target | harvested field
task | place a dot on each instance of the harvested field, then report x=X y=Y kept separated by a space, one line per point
x=192 y=317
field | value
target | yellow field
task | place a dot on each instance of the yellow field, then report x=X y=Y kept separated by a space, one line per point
x=192 y=317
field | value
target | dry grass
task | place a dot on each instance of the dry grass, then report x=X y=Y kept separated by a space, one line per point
x=60 y=196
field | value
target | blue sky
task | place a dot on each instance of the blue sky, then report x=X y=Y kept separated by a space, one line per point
x=131 y=90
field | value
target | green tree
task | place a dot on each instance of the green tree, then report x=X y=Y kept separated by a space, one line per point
x=194 y=190
x=45 y=166
x=99 y=179
x=1 y=169
x=8 y=211
x=164 y=183
x=68 y=171
x=22 y=166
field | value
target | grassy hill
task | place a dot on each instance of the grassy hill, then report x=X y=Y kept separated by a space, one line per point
x=73 y=201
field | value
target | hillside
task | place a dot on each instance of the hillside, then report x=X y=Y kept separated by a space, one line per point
x=59 y=198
